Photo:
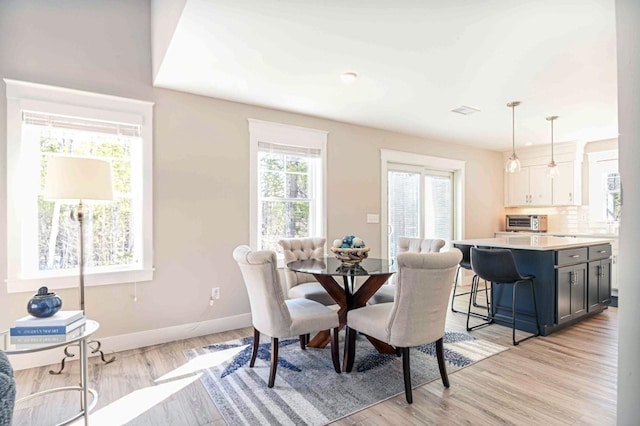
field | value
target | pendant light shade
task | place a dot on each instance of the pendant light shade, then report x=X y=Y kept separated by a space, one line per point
x=513 y=163
x=552 y=168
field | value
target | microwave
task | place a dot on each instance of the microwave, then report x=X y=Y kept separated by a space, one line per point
x=526 y=222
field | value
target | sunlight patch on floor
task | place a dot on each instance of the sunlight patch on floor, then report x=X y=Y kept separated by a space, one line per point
x=134 y=404
x=202 y=362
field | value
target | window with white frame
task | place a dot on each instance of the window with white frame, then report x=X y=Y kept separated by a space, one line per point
x=43 y=121
x=288 y=166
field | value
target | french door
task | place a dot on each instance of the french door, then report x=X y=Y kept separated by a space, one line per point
x=420 y=203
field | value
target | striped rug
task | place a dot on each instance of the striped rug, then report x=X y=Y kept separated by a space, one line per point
x=307 y=390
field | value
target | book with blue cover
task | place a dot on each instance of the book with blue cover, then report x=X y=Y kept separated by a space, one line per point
x=57 y=319
x=43 y=330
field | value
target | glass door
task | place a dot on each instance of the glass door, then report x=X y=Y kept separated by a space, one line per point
x=420 y=204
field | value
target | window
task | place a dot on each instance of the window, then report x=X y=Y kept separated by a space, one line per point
x=421 y=197
x=604 y=188
x=43 y=238
x=287 y=183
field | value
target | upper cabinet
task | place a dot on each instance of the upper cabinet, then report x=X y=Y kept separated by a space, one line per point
x=532 y=187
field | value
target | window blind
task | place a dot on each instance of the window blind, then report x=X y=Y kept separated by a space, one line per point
x=81 y=124
x=289 y=150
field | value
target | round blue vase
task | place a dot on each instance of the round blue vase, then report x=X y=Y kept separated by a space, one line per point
x=44 y=304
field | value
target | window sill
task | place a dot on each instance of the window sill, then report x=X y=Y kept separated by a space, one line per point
x=31 y=284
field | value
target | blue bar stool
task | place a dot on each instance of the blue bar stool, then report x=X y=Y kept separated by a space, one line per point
x=499 y=267
x=465 y=263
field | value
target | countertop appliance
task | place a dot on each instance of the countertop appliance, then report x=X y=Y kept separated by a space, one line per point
x=526 y=222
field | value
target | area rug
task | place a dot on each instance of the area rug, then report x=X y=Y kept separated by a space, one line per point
x=307 y=390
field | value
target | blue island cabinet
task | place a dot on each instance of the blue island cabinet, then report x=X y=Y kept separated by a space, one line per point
x=572 y=280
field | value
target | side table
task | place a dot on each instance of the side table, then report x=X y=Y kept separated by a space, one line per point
x=11 y=347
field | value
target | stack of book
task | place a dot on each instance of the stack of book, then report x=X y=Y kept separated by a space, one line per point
x=60 y=327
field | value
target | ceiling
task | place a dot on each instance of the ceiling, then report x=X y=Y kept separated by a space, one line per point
x=416 y=60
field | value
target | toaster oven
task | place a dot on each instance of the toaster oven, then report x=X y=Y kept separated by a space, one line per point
x=526 y=222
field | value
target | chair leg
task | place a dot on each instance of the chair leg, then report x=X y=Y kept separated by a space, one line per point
x=406 y=369
x=303 y=342
x=256 y=344
x=350 y=349
x=274 y=361
x=513 y=313
x=335 y=350
x=441 y=364
x=535 y=308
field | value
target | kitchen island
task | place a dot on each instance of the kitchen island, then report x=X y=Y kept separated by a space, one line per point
x=572 y=279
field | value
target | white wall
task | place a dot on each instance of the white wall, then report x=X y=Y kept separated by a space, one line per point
x=201 y=176
x=628 y=41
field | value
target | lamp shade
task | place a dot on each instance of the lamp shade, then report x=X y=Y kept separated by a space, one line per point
x=78 y=178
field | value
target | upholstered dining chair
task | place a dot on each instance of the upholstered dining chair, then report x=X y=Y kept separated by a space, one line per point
x=406 y=245
x=301 y=285
x=416 y=316
x=7 y=391
x=276 y=317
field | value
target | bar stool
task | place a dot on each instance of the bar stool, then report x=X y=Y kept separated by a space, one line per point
x=499 y=267
x=465 y=263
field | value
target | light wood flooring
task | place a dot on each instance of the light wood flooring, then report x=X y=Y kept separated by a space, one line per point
x=568 y=378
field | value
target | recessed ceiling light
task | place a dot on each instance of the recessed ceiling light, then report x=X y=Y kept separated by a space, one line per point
x=348 y=77
x=465 y=110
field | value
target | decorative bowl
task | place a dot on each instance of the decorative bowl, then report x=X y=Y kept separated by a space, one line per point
x=350 y=256
x=44 y=304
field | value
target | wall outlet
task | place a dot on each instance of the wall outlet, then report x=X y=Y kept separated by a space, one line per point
x=215 y=293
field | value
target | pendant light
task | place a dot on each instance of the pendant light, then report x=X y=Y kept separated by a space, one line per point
x=552 y=167
x=513 y=163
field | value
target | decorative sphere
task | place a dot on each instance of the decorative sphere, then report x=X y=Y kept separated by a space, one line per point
x=357 y=242
x=337 y=243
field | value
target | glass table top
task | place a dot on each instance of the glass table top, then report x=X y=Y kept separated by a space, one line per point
x=335 y=267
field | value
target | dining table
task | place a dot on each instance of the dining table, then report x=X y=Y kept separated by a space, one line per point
x=350 y=293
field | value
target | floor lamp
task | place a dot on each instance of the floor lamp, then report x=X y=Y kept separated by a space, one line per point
x=75 y=180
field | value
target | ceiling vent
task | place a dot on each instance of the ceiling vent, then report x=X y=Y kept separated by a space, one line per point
x=465 y=110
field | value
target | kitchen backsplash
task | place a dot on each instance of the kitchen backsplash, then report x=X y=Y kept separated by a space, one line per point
x=567 y=219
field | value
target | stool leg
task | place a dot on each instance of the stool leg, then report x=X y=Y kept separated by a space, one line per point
x=455 y=286
x=513 y=313
x=473 y=288
x=535 y=308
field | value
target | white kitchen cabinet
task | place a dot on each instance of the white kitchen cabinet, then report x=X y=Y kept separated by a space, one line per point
x=566 y=186
x=529 y=187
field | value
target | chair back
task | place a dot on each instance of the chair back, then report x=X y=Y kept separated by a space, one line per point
x=422 y=297
x=494 y=265
x=269 y=312
x=7 y=391
x=466 y=255
x=419 y=245
x=300 y=249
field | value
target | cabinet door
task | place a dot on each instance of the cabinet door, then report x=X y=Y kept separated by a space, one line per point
x=518 y=188
x=604 y=283
x=571 y=292
x=564 y=185
x=593 y=277
x=539 y=186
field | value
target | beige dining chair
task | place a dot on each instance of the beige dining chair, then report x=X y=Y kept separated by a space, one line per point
x=276 y=317
x=299 y=284
x=406 y=245
x=416 y=316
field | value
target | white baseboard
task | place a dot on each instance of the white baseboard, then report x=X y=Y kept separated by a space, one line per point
x=140 y=339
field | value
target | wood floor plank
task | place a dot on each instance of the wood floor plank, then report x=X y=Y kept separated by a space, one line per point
x=566 y=378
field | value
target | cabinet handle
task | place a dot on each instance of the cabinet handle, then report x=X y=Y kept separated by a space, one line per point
x=602 y=251
x=574 y=256
x=571 y=197
x=599 y=273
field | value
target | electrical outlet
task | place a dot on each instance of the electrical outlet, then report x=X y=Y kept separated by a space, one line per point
x=215 y=293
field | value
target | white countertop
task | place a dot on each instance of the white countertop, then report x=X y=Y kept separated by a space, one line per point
x=533 y=242
x=563 y=234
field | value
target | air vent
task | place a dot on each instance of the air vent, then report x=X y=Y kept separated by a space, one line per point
x=465 y=110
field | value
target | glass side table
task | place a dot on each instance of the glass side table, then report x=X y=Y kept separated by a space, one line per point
x=17 y=345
